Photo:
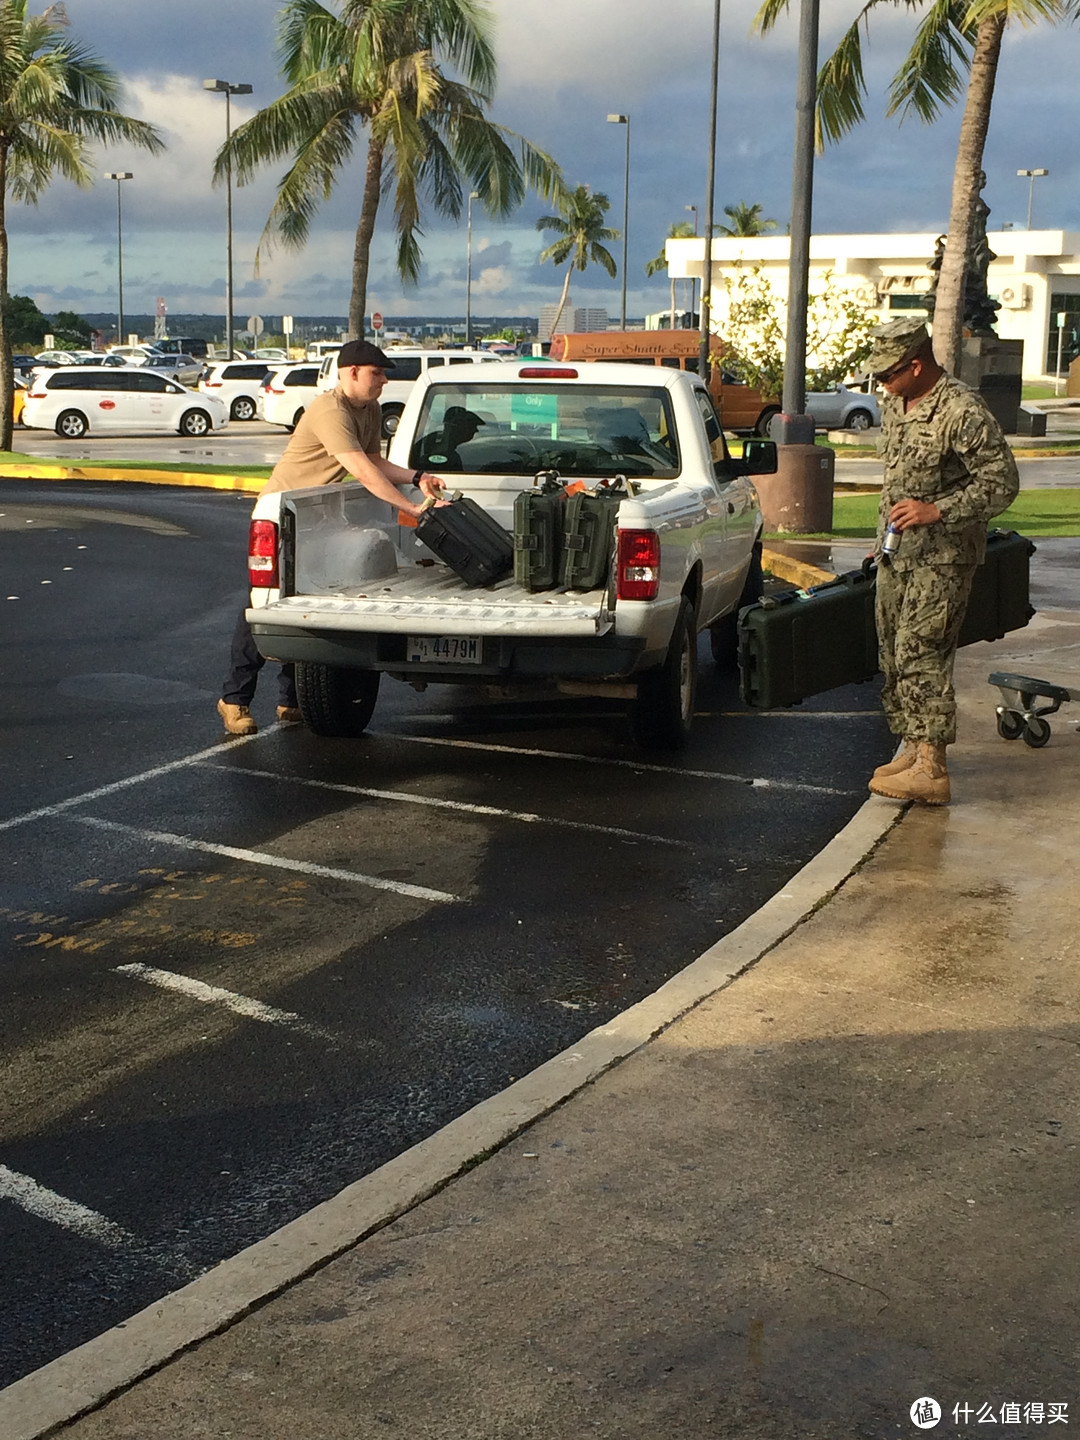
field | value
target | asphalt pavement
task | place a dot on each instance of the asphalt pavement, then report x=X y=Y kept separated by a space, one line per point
x=820 y=1186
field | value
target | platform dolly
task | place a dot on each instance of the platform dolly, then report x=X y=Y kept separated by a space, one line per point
x=1018 y=715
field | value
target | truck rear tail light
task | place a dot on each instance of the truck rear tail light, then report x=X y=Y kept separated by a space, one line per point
x=638 y=572
x=37 y=395
x=262 y=555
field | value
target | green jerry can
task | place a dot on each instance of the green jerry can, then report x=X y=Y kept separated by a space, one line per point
x=590 y=534
x=539 y=522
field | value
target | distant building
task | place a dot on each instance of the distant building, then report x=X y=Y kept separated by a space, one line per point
x=1035 y=278
x=574 y=319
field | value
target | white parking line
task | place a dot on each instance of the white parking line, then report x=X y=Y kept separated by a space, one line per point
x=525 y=816
x=261 y=857
x=243 y=1005
x=46 y=811
x=755 y=782
x=36 y=1200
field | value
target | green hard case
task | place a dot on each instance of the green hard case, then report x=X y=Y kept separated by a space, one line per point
x=538 y=534
x=590 y=536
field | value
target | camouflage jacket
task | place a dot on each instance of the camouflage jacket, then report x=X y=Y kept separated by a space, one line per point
x=948 y=449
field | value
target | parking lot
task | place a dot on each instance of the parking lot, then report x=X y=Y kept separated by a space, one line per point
x=241 y=973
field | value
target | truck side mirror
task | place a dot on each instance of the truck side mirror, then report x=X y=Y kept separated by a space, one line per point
x=760 y=456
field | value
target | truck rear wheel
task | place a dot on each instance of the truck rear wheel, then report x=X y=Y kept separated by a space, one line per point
x=661 y=715
x=334 y=701
x=724 y=635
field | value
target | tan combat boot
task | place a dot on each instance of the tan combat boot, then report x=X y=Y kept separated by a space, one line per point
x=902 y=761
x=238 y=718
x=927 y=780
x=289 y=715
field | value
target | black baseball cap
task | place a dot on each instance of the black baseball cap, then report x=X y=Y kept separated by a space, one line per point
x=362 y=352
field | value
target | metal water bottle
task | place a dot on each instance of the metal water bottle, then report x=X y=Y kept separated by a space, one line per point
x=891 y=543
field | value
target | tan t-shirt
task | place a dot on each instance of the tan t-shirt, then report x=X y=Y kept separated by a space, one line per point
x=329 y=426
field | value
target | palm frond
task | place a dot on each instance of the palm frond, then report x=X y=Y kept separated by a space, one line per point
x=932 y=73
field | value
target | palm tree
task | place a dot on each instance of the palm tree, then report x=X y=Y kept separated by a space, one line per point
x=680 y=230
x=745 y=220
x=378 y=67
x=581 y=229
x=954 y=35
x=55 y=94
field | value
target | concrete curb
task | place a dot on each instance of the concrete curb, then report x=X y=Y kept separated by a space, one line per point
x=196 y=478
x=86 y=1377
x=796 y=572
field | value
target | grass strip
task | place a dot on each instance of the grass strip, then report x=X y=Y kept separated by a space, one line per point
x=1049 y=513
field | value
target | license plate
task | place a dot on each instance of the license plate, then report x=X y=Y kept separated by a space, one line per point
x=444 y=650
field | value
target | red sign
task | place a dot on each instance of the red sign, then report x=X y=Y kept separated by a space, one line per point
x=376 y=320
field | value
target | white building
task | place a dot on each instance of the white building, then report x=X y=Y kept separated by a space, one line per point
x=574 y=320
x=1035 y=277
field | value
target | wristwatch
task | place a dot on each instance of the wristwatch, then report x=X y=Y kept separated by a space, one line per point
x=418 y=475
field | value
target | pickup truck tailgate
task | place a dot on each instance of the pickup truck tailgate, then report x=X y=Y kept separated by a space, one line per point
x=432 y=600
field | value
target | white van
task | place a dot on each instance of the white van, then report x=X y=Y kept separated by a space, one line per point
x=408 y=366
x=319 y=349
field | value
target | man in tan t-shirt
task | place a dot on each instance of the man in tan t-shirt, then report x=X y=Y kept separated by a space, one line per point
x=337 y=439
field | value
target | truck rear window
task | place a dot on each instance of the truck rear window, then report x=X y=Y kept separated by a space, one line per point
x=578 y=430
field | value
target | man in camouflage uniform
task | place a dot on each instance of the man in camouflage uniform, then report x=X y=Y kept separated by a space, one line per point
x=948 y=469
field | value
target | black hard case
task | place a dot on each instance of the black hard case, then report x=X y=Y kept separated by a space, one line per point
x=465 y=537
x=539 y=522
x=799 y=643
x=590 y=537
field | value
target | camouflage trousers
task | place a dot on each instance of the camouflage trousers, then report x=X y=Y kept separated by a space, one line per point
x=919 y=615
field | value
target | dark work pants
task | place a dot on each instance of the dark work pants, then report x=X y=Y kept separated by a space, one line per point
x=246 y=662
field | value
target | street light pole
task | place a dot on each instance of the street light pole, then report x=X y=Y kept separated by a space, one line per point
x=624 y=120
x=473 y=195
x=693 y=282
x=706 y=274
x=1031 y=187
x=228 y=89
x=118 y=176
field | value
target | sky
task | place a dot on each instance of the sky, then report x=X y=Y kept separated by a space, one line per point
x=564 y=65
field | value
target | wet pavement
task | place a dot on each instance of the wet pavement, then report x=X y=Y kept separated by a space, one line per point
x=838 y=1180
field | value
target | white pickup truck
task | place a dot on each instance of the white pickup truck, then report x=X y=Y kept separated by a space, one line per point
x=344 y=589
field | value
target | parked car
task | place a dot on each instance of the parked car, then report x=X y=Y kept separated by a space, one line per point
x=286 y=392
x=843 y=409
x=408 y=366
x=184 y=368
x=18 y=401
x=236 y=382
x=74 y=401
x=183 y=345
x=127 y=353
x=271 y=353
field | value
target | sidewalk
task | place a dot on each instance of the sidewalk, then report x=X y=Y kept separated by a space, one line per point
x=844 y=1179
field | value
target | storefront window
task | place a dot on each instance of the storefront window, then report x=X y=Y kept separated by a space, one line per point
x=1069 y=305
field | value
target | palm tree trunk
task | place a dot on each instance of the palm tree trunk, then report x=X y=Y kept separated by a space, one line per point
x=7 y=379
x=673 y=302
x=562 y=298
x=362 y=248
x=949 y=304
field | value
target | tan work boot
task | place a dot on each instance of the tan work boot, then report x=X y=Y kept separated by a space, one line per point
x=927 y=780
x=902 y=761
x=238 y=718
x=289 y=715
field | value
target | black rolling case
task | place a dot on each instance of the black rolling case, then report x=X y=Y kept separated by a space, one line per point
x=539 y=527
x=1000 y=591
x=801 y=642
x=465 y=537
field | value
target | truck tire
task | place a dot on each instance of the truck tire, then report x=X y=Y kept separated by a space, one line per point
x=334 y=701
x=724 y=635
x=661 y=716
x=765 y=419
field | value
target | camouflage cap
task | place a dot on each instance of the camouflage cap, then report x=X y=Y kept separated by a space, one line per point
x=894 y=342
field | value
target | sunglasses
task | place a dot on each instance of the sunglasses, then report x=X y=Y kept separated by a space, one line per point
x=883 y=377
